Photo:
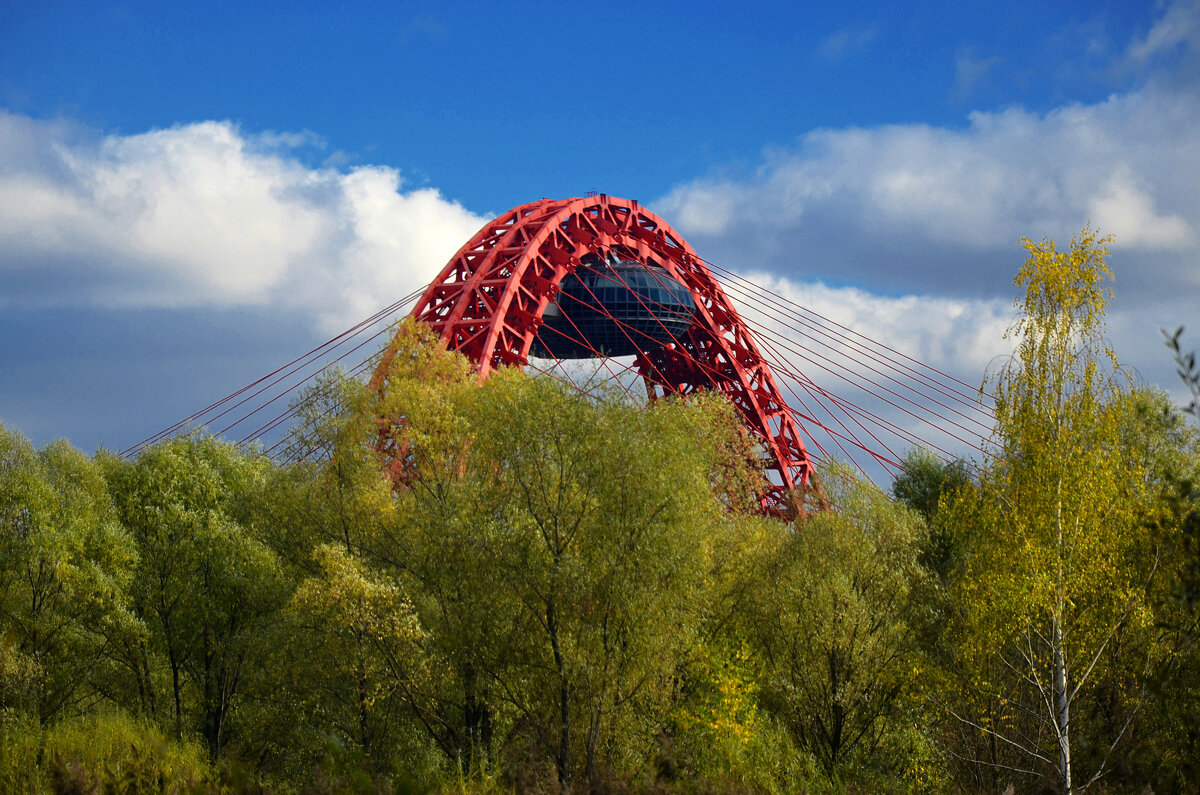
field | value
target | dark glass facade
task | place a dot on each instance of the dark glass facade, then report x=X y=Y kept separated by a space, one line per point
x=617 y=308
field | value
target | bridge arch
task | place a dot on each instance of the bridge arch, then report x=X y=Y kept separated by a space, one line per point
x=490 y=303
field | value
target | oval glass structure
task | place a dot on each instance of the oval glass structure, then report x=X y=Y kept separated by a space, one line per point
x=618 y=308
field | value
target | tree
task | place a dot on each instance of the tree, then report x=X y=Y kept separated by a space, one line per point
x=924 y=482
x=1169 y=737
x=556 y=548
x=1185 y=364
x=333 y=491
x=205 y=584
x=925 y=479
x=65 y=566
x=355 y=645
x=1055 y=580
x=604 y=519
x=831 y=617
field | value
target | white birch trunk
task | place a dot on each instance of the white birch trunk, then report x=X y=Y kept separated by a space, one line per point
x=1062 y=703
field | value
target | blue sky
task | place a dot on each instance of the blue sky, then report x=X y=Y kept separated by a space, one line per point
x=494 y=102
x=191 y=194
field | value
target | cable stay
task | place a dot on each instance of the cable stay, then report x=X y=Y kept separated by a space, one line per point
x=790 y=372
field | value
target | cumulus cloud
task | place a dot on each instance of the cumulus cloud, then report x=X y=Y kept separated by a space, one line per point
x=205 y=215
x=1126 y=210
x=909 y=233
x=960 y=337
x=936 y=209
x=851 y=345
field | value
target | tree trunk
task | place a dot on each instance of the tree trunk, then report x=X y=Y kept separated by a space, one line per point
x=176 y=687
x=364 y=710
x=1062 y=703
x=593 y=740
x=477 y=718
x=563 y=762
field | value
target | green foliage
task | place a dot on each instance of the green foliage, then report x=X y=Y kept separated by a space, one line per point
x=925 y=480
x=100 y=752
x=355 y=646
x=207 y=587
x=559 y=554
x=832 y=618
x=506 y=585
x=558 y=549
x=65 y=565
x=600 y=542
x=1165 y=740
x=924 y=484
x=1051 y=618
x=334 y=492
x=720 y=733
x=1185 y=364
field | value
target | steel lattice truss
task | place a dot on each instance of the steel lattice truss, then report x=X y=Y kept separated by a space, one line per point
x=488 y=304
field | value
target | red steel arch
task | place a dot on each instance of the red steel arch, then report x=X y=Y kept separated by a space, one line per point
x=488 y=302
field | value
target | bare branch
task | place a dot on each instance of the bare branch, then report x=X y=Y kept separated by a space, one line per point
x=1000 y=737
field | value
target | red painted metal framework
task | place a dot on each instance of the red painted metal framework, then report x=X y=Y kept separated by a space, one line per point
x=488 y=302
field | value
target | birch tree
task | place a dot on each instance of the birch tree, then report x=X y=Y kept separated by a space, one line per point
x=1054 y=584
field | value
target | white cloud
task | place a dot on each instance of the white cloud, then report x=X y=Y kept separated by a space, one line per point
x=962 y=340
x=1124 y=209
x=204 y=215
x=1177 y=27
x=918 y=208
x=960 y=337
x=908 y=233
x=858 y=349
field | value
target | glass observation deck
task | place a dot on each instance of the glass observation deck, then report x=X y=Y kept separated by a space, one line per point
x=616 y=308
